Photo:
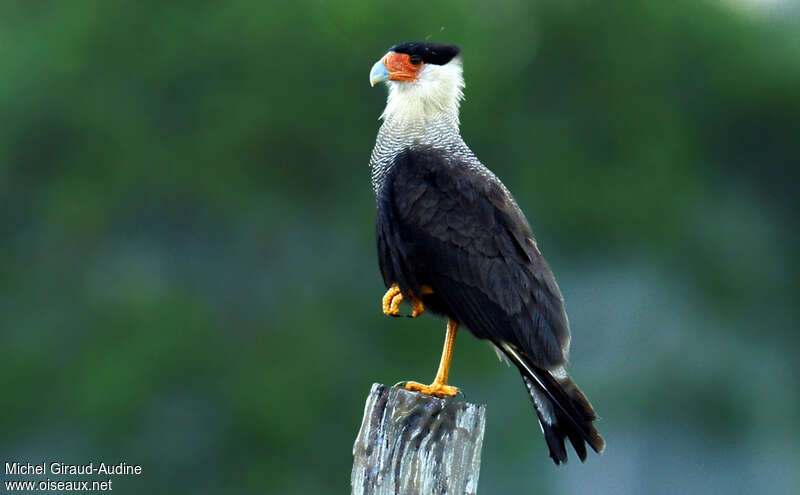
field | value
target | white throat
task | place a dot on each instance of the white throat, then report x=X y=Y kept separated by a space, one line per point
x=434 y=96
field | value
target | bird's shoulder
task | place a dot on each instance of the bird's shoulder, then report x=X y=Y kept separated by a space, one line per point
x=455 y=198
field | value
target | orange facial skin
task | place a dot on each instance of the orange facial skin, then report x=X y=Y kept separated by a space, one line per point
x=400 y=67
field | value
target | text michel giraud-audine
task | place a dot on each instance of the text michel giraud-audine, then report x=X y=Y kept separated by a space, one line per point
x=62 y=468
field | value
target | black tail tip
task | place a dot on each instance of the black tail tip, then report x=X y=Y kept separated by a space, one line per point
x=564 y=413
x=556 y=442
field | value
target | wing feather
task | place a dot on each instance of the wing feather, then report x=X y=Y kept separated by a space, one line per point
x=446 y=224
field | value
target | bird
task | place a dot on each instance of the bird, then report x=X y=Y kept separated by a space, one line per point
x=452 y=240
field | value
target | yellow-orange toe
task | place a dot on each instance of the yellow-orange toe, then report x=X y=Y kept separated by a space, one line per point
x=437 y=389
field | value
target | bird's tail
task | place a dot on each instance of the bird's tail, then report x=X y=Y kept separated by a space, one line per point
x=563 y=410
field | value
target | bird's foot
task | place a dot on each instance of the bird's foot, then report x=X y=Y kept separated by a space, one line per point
x=391 y=301
x=393 y=297
x=438 y=389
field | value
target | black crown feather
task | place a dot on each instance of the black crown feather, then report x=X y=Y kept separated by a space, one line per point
x=431 y=53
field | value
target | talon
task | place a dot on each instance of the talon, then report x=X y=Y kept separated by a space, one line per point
x=391 y=301
x=394 y=306
x=418 y=309
x=437 y=389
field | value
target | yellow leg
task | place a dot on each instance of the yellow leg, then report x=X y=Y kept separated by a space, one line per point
x=439 y=387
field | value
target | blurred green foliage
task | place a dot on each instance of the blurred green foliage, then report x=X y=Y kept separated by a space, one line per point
x=187 y=270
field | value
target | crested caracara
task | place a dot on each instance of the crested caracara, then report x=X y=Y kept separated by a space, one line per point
x=452 y=240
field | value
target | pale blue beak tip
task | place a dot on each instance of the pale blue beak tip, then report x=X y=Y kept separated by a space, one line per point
x=378 y=73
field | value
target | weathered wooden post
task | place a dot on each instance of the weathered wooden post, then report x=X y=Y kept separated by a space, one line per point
x=410 y=443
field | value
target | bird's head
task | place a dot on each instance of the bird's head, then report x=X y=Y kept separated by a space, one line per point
x=424 y=79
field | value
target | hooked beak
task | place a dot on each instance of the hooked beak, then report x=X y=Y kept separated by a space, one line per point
x=378 y=73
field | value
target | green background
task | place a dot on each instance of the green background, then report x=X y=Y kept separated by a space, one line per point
x=188 y=276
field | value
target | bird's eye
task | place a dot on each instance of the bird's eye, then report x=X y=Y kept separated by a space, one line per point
x=415 y=59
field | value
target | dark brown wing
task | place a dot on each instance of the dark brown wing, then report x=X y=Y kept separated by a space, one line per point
x=452 y=226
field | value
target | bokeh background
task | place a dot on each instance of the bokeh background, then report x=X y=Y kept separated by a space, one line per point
x=188 y=277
